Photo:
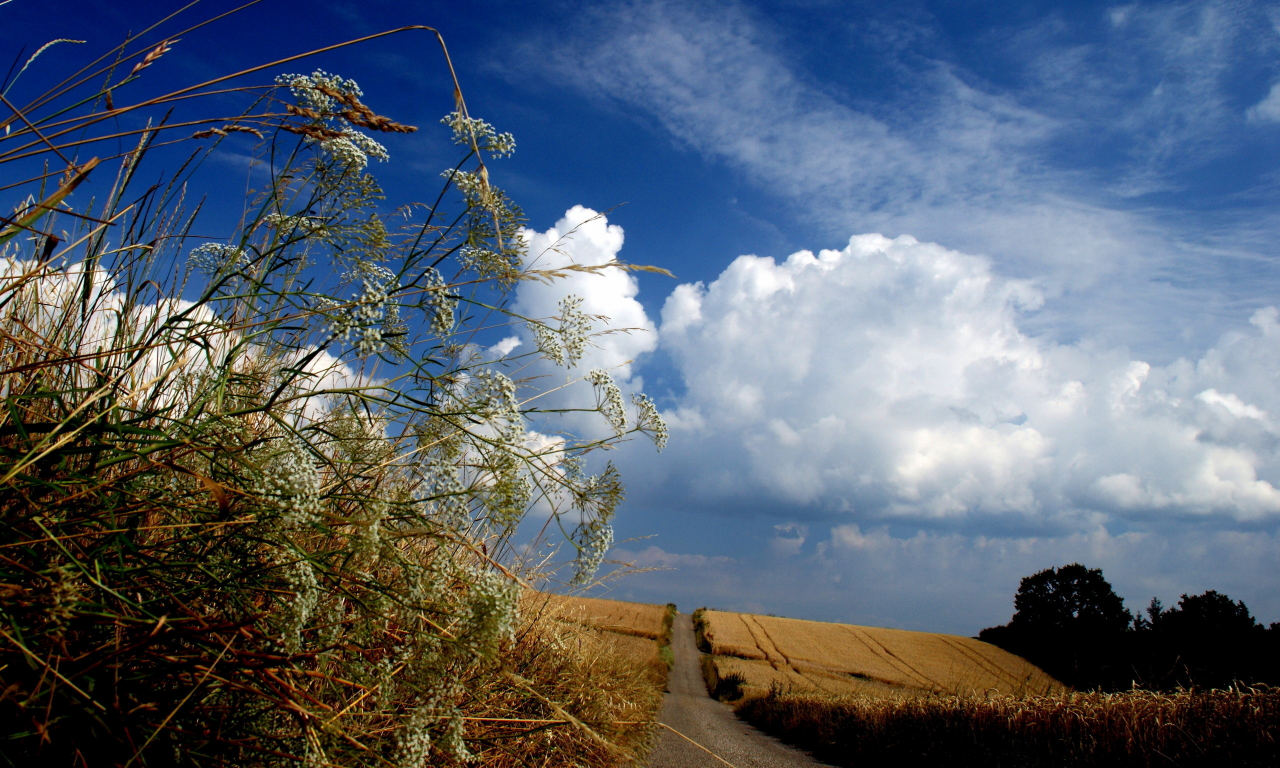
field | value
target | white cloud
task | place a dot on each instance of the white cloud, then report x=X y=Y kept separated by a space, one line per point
x=656 y=557
x=892 y=380
x=586 y=238
x=1267 y=110
x=504 y=347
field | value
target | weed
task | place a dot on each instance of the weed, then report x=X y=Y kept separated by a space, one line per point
x=257 y=494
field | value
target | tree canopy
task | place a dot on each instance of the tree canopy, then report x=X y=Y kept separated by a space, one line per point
x=1073 y=598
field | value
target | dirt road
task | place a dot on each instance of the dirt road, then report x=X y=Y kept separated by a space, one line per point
x=688 y=709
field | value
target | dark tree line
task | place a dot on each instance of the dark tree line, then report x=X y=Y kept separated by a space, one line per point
x=1072 y=624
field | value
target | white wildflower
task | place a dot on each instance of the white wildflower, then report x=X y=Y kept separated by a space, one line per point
x=442 y=305
x=218 y=258
x=564 y=345
x=648 y=420
x=593 y=540
x=494 y=600
x=302 y=582
x=353 y=149
x=609 y=400
x=470 y=131
x=291 y=484
x=307 y=89
x=363 y=321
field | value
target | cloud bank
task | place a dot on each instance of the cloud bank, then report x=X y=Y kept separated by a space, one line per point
x=892 y=380
x=883 y=411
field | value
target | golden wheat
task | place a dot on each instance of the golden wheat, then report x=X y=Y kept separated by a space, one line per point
x=841 y=658
x=1137 y=728
x=638 y=619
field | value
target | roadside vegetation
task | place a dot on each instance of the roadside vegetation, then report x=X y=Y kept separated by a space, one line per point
x=1136 y=728
x=640 y=631
x=259 y=491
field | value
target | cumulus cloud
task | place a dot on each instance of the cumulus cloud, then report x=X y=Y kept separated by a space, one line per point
x=880 y=415
x=586 y=238
x=892 y=380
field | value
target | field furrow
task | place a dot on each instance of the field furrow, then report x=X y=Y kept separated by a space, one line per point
x=845 y=659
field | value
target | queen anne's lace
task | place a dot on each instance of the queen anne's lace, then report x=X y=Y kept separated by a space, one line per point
x=649 y=420
x=352 y=149
x=291 y=484
x=218 y=258
x=470 y=131
x=609 y=400
x=564 y=345
x=364 y=319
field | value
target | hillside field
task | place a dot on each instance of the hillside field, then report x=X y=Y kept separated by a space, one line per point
x=846 y=660
x=652 y=622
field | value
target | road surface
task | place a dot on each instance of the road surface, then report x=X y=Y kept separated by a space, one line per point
x=688 y=709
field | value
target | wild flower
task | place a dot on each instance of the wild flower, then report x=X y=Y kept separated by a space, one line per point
x=301 y=604
x=353 y=149
x=275 y=529
x=290 y=483
x=649 y=420
x=316 y=91
x=609 y=400
x=441 y=304
x=218 y=258
x=470 y=131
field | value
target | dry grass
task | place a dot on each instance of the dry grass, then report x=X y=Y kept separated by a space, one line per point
x=1138 y=728
x=639 y=619
x=811 y=656
x=611 y=684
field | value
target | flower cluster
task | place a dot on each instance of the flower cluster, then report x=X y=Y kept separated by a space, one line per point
x=323 y=96
x=565 y=345
x=295 y=226
x=353 y=149
x=609 y=400
x=369 y=314
x=472 y=186
x=313 y=91
x=440 y=303
x=218 y=258
x=473 y=132
x=494 y=607
x=649 y=420
x=301 y=578
x=291 y=484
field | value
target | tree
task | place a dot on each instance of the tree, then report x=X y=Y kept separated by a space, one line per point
x=1210 y=614
x=1070 y=622
x=1072 y=598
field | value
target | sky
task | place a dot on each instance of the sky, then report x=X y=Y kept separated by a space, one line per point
x=962 y=290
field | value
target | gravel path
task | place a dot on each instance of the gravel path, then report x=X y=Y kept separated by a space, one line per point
x=688 y=709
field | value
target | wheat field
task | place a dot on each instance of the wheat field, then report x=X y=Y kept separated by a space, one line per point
x=1237 y=727
x=651 y=622
x=842 y=659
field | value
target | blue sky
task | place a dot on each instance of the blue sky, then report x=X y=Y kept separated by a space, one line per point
x=1060 y=349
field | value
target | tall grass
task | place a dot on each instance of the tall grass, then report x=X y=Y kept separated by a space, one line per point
x=1138 y=728
x=258 y=494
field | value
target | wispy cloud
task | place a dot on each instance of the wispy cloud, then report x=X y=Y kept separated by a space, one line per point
x=1039 y=171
